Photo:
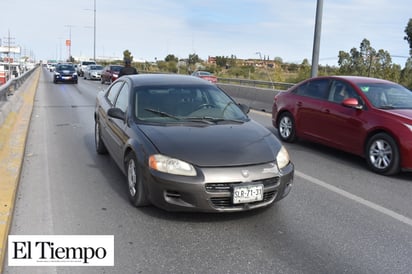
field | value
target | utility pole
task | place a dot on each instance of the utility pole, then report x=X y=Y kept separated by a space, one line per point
x=8 y=42
x=316 y=40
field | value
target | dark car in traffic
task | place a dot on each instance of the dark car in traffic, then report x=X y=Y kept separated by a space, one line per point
x=110 y=73
x=364 y=116
x=65 y=73
x=185 y=145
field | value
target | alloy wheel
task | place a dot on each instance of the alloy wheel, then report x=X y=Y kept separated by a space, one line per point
x=131 y=177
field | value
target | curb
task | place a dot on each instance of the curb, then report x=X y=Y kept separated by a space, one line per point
x=15 y=120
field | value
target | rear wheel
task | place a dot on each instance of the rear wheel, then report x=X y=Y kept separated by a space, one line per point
x=286 y=127
x=137 y=193
x=382 y=154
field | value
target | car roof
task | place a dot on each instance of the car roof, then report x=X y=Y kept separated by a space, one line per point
x=355 y=79
x=166 y=79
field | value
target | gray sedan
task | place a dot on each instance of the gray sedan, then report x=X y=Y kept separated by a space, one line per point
x=185 y=145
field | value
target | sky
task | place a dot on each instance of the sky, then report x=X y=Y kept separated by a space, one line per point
x=153 y=29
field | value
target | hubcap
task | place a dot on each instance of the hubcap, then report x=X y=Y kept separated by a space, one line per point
x=285 y=127
x=380 y=154
x=131 y=177
x=97 y=134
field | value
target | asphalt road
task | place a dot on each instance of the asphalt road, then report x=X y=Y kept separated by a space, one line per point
x=338 y=218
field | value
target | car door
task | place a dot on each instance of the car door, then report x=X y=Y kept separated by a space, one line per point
x=117 y=128
x=309 y=105
x=343 y=125
x=107 y=103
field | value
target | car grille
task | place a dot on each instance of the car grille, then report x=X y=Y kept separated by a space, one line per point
x=226 y=187
x=226 y=202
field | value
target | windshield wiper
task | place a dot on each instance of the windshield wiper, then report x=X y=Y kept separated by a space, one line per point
x=386 y=107
x=162 y=113
x=212 y=120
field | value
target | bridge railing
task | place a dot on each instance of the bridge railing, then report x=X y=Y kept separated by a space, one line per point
x=12 y=85
x=256 y=83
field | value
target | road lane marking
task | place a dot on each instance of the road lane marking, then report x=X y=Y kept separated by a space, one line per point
x=355 y=198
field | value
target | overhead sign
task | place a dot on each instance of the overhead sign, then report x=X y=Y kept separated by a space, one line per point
x=9 y=49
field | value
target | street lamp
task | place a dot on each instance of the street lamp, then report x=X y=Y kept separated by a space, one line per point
x=69 y=43
x=94 y=30
x=266 y=69
x=94 y=25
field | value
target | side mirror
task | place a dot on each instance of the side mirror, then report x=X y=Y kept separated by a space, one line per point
x=116 y=113
x=352 y=103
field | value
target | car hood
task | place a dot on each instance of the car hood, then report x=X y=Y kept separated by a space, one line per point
x=402 y=113
x=215 y=145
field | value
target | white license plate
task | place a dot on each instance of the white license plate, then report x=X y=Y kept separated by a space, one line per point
x=67 y=77
x=247 y=194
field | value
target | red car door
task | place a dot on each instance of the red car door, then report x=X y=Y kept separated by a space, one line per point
x=310 y=119
x=343 y=125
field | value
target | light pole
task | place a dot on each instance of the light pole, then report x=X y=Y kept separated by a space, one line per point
x=69 y=43
x=94 y=26
x=266 y=69
x=94 y=30
x=316 y=39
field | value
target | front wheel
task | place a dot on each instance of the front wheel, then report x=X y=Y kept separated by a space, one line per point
x=137 y=193
x=382 y=154
x=286 y=127
x=100 y=146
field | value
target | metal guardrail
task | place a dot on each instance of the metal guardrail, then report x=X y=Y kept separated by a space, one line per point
x=256 y=83
x=12 y=85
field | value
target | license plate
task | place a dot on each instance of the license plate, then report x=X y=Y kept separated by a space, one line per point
x=67 y=77
x=247 y=194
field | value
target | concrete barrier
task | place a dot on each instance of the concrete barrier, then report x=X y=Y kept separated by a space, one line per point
x=256 y=98
x=16 y=113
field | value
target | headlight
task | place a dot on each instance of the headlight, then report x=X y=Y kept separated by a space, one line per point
x=169 y=165
x=282 y=158
x=57 y=74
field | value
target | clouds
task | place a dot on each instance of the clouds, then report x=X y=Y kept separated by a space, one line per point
x=156 y=28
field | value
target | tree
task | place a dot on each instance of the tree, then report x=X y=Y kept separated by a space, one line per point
x=368 y=62
x=408 y=37
x=171 y=57
x=127 y=55
x=221 y=61
x=193 y=59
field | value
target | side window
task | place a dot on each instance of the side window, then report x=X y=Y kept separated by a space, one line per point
x=318 y=88
x=123 y=98
x=114 y=90
x=341 y=91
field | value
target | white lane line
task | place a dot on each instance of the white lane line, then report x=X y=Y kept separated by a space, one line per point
x=355 y=198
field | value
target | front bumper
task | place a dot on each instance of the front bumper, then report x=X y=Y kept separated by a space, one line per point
x=213 y=190
x=65 y=78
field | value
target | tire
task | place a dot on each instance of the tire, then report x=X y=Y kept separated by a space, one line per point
x=136 y=189
x=100 y=146
x=382 y=154
x=286 y=127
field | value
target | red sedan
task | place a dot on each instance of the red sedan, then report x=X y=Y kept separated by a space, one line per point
x=205 y=75
x=365 y=116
